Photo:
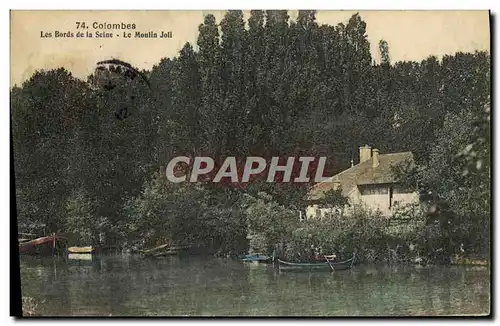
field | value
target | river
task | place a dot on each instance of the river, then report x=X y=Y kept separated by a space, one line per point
x=132 y=286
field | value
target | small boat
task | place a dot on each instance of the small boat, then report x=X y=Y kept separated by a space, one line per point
x=285 y=265
x=341 y=265
x=42 y=245
x=327 y=265
x=81 y=250
x=255 y=258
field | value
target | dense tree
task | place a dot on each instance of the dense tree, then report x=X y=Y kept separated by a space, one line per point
x=456 y=179
x=46 y=112
x=276 y=87
x=210 y=65
x=233 y=49
x=385 y=58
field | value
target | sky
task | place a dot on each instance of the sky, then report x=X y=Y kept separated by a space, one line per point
x=412 y=35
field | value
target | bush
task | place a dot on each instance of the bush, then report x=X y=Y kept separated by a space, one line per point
x=404 y=238
x=186 y=214
x=360 y=233
x=269 y=223
x=29 y=306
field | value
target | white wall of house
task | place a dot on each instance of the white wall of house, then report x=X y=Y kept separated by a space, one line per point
x=377 y=198
x=385 y=198
x=377 y=203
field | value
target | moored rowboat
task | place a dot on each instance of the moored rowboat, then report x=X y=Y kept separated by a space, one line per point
x=285 y=265
x=341 y=265
x=42 y=245
x=80 y=250
x=324 y=266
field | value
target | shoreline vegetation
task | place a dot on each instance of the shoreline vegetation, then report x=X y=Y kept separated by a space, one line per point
x=29 y=306
x=273 y=88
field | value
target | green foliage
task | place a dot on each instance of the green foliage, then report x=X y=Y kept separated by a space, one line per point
x=185 y=215
x=80 y=219
x=334 y=199
x=278 y=88
x=458 y=175
x=383 y=46
x=269 y=223
x=403 y=238
x=29 y=306
x=360 y=233
x=46 y=113
x=455 y=181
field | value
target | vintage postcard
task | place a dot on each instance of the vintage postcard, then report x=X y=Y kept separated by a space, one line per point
x=251 y=163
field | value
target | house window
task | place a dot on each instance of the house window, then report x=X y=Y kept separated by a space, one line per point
x=377 y=189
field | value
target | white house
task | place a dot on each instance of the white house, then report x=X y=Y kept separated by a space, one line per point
x=371 y=184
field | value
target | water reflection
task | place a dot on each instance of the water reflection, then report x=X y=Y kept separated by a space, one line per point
x=131 y=286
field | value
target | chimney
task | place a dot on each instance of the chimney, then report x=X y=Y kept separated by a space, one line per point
x=365 y=153
x=375 y=157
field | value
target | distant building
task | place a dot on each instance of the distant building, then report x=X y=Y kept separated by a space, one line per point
x=371 y=184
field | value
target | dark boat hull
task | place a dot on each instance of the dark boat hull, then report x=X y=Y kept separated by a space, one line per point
x=325 y=266
x=338 y=266
x=288 y=266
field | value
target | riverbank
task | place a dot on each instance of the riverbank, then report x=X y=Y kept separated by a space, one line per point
x=410 y=239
